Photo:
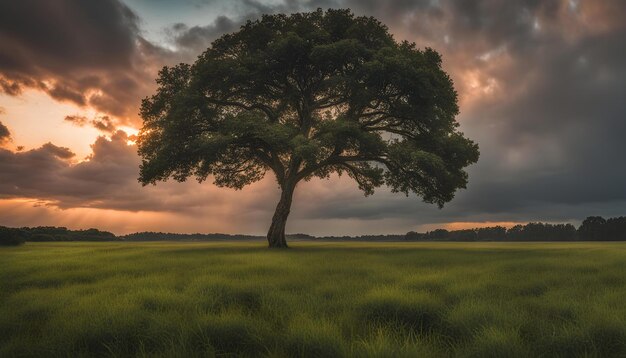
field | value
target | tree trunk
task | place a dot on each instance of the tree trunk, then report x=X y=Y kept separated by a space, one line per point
x=276 y=234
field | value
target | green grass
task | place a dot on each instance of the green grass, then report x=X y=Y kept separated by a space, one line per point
x=314 y=300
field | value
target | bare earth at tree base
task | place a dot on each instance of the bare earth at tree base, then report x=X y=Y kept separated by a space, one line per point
x=317 y=299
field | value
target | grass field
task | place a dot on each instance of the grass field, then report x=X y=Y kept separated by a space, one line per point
x=315 y=300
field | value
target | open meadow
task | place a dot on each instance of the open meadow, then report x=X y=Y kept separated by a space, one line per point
x=318 y=299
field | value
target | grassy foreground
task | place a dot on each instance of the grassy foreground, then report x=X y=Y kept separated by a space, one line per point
x=316 y=299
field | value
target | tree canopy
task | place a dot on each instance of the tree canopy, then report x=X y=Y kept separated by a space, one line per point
x=306 y=95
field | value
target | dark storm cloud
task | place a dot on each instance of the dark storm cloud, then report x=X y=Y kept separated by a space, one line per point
x=555 y=140
x=198 y=38
x=20 y=172
x=194 y=40
x=91 y=34
x=84 y=52
x=541 y=86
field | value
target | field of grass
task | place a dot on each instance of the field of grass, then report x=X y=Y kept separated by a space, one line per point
x=314 y=300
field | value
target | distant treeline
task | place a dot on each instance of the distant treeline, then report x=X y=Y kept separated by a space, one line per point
x=594 y=228
x=15 y=236
x=164 y=236
x=51 y=233
x=363 y=238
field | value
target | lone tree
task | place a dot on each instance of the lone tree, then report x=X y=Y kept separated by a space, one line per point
x=306 y=95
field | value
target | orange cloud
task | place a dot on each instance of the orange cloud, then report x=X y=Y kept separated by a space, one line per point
x=463 y=225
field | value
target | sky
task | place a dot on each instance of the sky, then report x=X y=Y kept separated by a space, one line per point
x=541 y=90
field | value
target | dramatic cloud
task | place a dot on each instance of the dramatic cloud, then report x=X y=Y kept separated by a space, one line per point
x=5 y=135
x=106 y=180
x=48 y=173
x=541 y=87
x=85 y=52
x=102 y=123
x=198 y=38
x=77 y=120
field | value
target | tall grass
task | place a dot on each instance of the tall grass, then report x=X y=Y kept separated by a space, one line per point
x=314 y=300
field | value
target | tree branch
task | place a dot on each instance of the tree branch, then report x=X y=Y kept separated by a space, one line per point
x=390 y=129
x=268 y=111
x=356 y=174
x=334 y=160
